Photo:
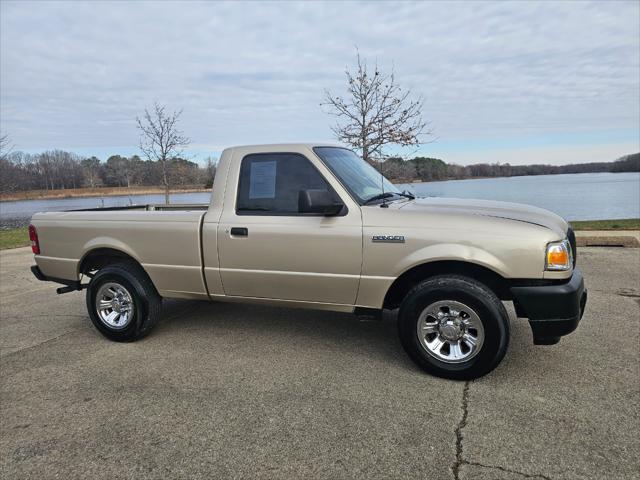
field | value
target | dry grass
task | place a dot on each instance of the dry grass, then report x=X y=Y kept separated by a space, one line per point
x=93 y=192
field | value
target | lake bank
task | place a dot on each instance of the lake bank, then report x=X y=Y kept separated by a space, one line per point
x=93 y=192
x=621 y=224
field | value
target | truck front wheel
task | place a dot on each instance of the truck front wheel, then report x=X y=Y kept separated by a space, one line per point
x=122 y=302
x=454 y=327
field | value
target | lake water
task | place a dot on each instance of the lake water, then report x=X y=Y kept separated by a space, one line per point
x=585 y=196
x=582 y=196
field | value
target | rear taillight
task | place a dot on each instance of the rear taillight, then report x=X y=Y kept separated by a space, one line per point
x=33 y=236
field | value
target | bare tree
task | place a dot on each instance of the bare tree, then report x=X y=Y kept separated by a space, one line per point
x=91 y=168
x=210 y=170
x=376 y=112
x=160 y=139
x=5 y=147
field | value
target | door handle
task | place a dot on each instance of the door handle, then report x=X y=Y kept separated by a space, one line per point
x=239 y=231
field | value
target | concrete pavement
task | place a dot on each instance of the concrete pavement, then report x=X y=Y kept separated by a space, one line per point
x=238 y=391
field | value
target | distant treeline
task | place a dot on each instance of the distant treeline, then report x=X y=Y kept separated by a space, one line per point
x=426 y=169
x=58 y=169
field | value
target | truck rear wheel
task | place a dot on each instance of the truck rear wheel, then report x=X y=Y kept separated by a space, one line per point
x=122 y=302
x=454 y=327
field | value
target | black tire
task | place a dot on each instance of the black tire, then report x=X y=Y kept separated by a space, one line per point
x=147 y=303
x=487 y=306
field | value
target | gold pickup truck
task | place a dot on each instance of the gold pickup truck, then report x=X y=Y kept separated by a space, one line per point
x=314 y=226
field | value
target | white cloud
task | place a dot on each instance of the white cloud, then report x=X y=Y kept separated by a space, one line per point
x=76 y=74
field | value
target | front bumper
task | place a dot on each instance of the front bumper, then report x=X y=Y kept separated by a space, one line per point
x=552 y=310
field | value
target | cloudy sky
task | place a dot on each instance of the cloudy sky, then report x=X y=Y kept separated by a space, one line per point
x=552 y=82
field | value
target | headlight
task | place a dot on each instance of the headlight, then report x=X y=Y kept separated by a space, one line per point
x=559 y=256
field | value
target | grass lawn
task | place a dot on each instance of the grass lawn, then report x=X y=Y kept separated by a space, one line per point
x=626 y=224
x=14 y=237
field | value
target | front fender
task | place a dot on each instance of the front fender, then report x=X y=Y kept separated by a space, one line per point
x=451 y=252
x=383 y=267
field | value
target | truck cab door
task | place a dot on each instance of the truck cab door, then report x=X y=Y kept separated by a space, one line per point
x=268 y=249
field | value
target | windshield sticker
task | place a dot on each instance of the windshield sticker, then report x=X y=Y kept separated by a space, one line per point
x=262 y=183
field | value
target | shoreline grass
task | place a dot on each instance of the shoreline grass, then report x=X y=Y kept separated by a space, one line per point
x=19 y=237
x=622 y=224
x=94 y=192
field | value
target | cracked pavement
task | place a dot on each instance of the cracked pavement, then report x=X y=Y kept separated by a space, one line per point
x=240 y=391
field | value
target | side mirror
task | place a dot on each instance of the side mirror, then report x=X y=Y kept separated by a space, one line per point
x=318 y=201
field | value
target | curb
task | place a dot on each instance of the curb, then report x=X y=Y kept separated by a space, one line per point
x=607 y=241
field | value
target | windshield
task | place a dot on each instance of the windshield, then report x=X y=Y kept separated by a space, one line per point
x=360 y=178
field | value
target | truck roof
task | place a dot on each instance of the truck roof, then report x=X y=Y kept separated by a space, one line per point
x=271 y=146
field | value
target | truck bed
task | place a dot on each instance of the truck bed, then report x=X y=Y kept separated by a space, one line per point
x=164 y=239
x=149 y=207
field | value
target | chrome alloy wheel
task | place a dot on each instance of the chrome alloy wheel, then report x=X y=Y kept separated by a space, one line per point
x=450 y=331
x=114 y=305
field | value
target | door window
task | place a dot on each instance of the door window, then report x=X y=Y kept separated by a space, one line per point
x=270 y=183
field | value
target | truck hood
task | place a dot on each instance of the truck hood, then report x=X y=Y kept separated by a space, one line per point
x=509 y=211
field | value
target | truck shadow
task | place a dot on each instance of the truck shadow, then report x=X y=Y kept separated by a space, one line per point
x=324 y=331
x=273 y=326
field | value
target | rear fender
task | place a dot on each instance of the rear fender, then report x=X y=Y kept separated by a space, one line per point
x=110 y=243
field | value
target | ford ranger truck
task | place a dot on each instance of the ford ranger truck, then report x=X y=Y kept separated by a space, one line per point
x=315 y=226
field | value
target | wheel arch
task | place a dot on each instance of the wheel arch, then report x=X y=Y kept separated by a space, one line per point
x=408 y=279
x=100 y=257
